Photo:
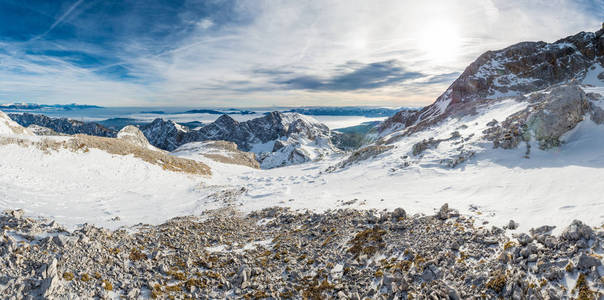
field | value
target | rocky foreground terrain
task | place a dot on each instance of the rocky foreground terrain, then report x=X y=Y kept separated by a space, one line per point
x=281 y=254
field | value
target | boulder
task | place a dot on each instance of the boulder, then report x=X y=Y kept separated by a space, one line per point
x=562 y=109
x=577 y=231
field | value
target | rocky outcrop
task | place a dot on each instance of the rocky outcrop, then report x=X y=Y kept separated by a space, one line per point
x=63 y=125
x=549 y=116
x=516 y=70
x=560 y=111
x=399 y=121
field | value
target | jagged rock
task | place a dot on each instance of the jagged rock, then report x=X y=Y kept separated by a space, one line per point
x=51 y=283
x=200 y=259
x=17 y=213
x=585 y=262
x=446 y=213
x=576 y=231
x=166 y=135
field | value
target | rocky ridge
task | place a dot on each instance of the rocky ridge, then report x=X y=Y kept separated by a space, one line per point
x=62 y=125
x=281 y=254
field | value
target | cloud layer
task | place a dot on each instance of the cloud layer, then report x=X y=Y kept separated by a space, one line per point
x=261 y=52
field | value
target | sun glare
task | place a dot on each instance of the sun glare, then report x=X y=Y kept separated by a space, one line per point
x=440 y=42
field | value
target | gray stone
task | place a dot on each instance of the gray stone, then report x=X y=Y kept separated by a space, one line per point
x=577 y=231
x=585 y=262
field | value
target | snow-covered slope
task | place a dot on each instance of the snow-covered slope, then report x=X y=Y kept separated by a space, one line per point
x=552 y=186
x=219 y=151
x=10 y=127
x=84 y=179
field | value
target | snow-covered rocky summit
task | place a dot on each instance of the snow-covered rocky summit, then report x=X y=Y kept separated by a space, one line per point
x=516 y=70
x=277 y=139
x=165 y=134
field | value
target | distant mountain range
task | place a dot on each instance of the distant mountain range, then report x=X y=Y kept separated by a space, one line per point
x=230 y=111
x=371 y=112
x=35 y=106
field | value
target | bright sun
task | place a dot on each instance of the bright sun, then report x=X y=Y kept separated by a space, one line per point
x=440 y=42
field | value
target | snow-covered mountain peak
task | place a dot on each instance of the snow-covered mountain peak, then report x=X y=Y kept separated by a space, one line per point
x=163 y=134
x=513 y=71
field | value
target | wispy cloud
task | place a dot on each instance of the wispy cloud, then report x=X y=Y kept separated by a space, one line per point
x=261 y=52
x=60 y=19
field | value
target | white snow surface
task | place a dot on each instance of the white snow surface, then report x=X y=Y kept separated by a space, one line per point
x=591 y=77
x=552 y=187
x=92 y=187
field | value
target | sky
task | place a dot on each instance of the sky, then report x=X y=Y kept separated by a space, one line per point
x=249 y=53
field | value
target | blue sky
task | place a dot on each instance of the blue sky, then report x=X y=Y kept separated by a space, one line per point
x=261 y=53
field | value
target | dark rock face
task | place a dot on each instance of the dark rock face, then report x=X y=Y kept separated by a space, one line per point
x=399 y=121
x=63 y=125
x=165 y=135
x=519 y=69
